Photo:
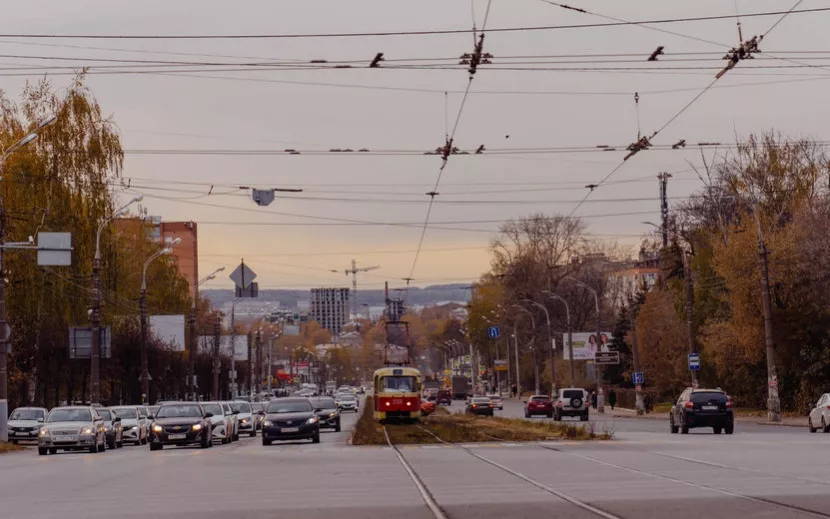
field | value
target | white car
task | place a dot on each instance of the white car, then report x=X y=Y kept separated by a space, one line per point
x=246 y=418
x=234 y=417
x=25 y=422
x=820 y=415
x=347 y=402
x=221 y=421
x=134 y=428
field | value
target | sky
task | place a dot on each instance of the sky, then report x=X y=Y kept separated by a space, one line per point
x=296 y=243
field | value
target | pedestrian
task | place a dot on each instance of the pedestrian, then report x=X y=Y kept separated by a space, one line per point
x=514 y=390
x=612 y=398
x=594 y=399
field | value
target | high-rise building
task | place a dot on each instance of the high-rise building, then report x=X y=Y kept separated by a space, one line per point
x=330 y=308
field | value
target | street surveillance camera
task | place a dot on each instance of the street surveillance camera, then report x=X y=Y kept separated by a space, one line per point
x=31 y=240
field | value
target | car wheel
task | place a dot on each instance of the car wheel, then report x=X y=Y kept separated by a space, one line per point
x=103 y=447
x=337 y=427
x=266 y=442
x=53 y=450
x=156 y=446
x=316 y=438
x=684 y=429
x=673 y=428
x=824 y=427
x=729 y=428
x=549 y=415
x=111 y=444
x=584 y=417
x=42 y=451
x=252 y=434
x=94 y=448
x=143 y=441
x=810 y=425
x=527 y=415
x=716 y=430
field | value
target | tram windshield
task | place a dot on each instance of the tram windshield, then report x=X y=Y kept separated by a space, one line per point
x=399 y=383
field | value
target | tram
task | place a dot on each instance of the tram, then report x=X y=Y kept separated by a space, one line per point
x=397 y=393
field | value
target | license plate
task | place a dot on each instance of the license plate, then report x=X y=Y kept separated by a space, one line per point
x=397 y=401
x=65 y=438
x=709 y=408
x=177 y=436
x=290 y=429
x=20 y=433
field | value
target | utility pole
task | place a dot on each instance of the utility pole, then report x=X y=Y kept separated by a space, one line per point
x=635 y=352
x=570 y=332
x=690 y=311
x=217 y=364
x=773 y=401
x=258 y=361
x=516 y=351
x=191 y=355
x=234 y=378
x=664 y=206
x=145 y=374
x=4 y=340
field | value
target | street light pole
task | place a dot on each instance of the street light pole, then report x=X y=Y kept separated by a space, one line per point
x=550 y=338
x=532 y=337
x=192 y=344
x=4 y=340
x=570 y=331
x=145 y=374
x=598 y=367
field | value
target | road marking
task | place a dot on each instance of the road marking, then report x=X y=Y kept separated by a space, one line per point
x=422 y=489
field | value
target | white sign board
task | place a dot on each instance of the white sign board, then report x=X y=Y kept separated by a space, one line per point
x=240 y=349
x=586 y=345
x=54 y=248
x=169 y=329
x=291 y=329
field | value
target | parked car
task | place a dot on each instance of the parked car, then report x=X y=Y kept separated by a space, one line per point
x=182 y=423
x=290 y=419
x=347 y=402
x=819 y=417
x=246 y=418
x=72 y=428
x=25 y=422
x=702 y=408
x=480 y=406
x=134 y=429
x=497 y=401
x=443 y=397
x=572 y=401
x=221 y=421
x=539 y=404
x=114 y=429
x=327 y=412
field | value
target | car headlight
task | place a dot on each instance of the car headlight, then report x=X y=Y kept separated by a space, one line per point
x=244 y=421
x=332 y=415
x=86 y=430
x=44 y=432
x=313 y=419
x=197 y=427
x=267 y=423
x=157 y=428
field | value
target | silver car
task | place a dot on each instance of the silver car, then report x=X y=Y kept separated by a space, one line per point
x=72 y=428
x=221 y=421
x=347 y=402
x=246 y=418
x=820 y=415
x=25 y=422
x=228 y=408
x=134 y=429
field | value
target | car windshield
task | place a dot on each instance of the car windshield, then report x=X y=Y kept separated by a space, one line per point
x=289 y=406
x=242 y=407
x=214 y=409
x=324 y=403
x=105 y=414
x=347 y=398
x=69 y=415
x=708 y=396
x=125 y=412
x=179 y=411
x=572 y=393
x=539 y=399
x=258 y=406
x=399 y=383
x=26 y=414
x=154 y=409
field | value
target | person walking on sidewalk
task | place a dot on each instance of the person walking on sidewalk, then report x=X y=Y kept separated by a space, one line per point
x=612 y=398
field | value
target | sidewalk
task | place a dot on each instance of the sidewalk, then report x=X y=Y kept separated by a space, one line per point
x=786 y=421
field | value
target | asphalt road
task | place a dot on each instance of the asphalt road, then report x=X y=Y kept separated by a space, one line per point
x=759 y=472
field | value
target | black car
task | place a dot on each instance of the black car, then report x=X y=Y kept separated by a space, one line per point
x=702 y=408
x=480 y=405
x=115 y=433
x=443 y=397
x=327 y=412
x=183 y=423
x=290 y=419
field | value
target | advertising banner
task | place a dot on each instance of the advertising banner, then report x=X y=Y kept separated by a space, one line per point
x=586 y=345
x=169 y=329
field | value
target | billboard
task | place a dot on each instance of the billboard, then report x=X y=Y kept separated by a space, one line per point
x=240 y=349
x=169 y=329
x=586 y=345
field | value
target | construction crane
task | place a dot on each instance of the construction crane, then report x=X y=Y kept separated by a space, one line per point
x=354 y=271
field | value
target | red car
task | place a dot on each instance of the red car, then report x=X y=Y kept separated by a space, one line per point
x=539 y=404
x=427 y=407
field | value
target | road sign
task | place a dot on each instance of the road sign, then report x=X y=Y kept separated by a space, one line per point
x=54 y=249
x=500 y=365
x=639 y=377
x=607 y=357
x=251 y=290
x=493 y=332
x=80 y=342
x=694 y=362
x=243 y=275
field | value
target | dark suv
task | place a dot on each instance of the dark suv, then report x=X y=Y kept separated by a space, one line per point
x=702 y=408
x=443 y=397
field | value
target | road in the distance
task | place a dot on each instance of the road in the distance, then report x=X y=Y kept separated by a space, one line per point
x=639 y=475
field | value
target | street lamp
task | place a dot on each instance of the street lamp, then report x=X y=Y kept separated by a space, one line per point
x=191 y=364
x=4 y=349
x=570 y=330
x=598 y=367
x=145 y=375
x=552 y=346
x=95 y=313
x=516 y=345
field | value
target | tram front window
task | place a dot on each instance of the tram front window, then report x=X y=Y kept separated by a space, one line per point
x=402 y=384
